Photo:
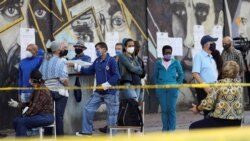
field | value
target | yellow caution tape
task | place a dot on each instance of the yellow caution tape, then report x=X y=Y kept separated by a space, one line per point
x=138 y=86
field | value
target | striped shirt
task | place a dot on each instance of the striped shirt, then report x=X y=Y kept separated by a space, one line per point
x=233 y=55
x=54 y=71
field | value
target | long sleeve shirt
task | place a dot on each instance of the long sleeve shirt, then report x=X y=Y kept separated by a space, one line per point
x=41 y=102
x=26 y=66
x=224 y=102
x=106 y=71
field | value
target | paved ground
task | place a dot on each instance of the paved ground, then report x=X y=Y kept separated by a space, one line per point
x=153 y=122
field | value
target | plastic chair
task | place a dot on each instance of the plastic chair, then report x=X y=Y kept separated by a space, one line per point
x=53 y=125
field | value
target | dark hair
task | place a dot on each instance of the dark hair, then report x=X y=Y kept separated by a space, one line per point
x=118 y=44
x=36 y=76
x=102 y=45
x=137 y=45
x=166 y=47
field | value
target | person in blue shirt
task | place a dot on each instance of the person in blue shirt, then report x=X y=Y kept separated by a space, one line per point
x=204 y=68
x=27 y=65
x=106 y=71
x=167 y=71
x=79 y=48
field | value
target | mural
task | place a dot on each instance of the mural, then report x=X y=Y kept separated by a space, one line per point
x=89 y=20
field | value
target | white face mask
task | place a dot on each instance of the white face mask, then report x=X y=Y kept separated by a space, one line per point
x=130 y=50
x=28 y=54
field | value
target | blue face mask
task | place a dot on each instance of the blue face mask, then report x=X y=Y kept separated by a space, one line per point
x=167 y=57
x=118 y=52
x=98 y=53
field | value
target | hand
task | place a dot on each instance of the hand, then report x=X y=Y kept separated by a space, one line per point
x=194 y=109
x=13 y=103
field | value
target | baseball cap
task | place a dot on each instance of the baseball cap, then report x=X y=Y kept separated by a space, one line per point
x=207 y=38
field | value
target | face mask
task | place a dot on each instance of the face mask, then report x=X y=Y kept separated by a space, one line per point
x=130 y=50
x=63 y=53
x=98 y=53
x=167 y=57
x=78 y=51
x=212 y=47
x=118 y=52
x=226 y=46
x=28 y=54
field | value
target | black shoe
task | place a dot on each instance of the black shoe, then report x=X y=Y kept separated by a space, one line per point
x=83 y=134
x=104 y=129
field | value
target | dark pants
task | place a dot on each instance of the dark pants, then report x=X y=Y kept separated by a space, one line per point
x=201 y=94
x=213 y=123
x=22 y=124
x=60 y=104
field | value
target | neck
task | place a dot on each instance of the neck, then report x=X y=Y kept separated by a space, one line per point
x=77 y=55
x=103 y=56
x=208 y=51
x=130 y=55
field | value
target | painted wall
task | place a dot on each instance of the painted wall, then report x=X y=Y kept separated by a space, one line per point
x=69 y=20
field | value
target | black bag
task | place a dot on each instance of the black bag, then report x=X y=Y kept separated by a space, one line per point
x=78 y=92
x=129 y=113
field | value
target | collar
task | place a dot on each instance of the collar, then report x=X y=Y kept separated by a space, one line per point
x=106 y=58
x=205 y=53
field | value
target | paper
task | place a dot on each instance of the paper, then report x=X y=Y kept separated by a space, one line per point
x=198 y=34
x=111 y=38
x=27 y=36
x=90 y=51
x=162 y=40
x=176 y=44
x=218 y=33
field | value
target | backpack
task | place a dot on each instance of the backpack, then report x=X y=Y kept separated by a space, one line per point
x=129 y=113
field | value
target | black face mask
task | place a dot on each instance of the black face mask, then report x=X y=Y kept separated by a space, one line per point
x=212 y=47
x=78 y=51
x=63 y=53
x=226 y=46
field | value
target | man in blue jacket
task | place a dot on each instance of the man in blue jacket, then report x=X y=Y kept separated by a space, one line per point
x=106 y=71
x=27 y=65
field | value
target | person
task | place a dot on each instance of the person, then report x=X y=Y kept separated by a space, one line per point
x=55 y=74
x=40 y=109
x=136 y=55
x=229 y=53
x=218 y=60
x=64 y=51
x=106 y=71
x=167 y=71
x=79 y=48
x=224 y=102
x=204 y=67
x=27 y=65
x=118 y=52
x=130 y=70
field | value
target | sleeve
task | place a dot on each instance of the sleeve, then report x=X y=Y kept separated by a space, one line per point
x=143 y=68
x=129 y=66
x=241 y=61
x=209 y=102
x=20 y=79
x=155 y=73
x=32 y=109
x=196 y=64
x=63 y=71
x=89 y=70
x=115 y=76
x=180 y=73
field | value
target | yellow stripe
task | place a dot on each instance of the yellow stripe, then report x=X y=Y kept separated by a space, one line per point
x=138 y=86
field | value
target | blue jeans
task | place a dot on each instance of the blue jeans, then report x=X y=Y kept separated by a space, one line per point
x=112 y=103
x=60 y=105
x=22 y=124
x=168 y=99
x=131 y=93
